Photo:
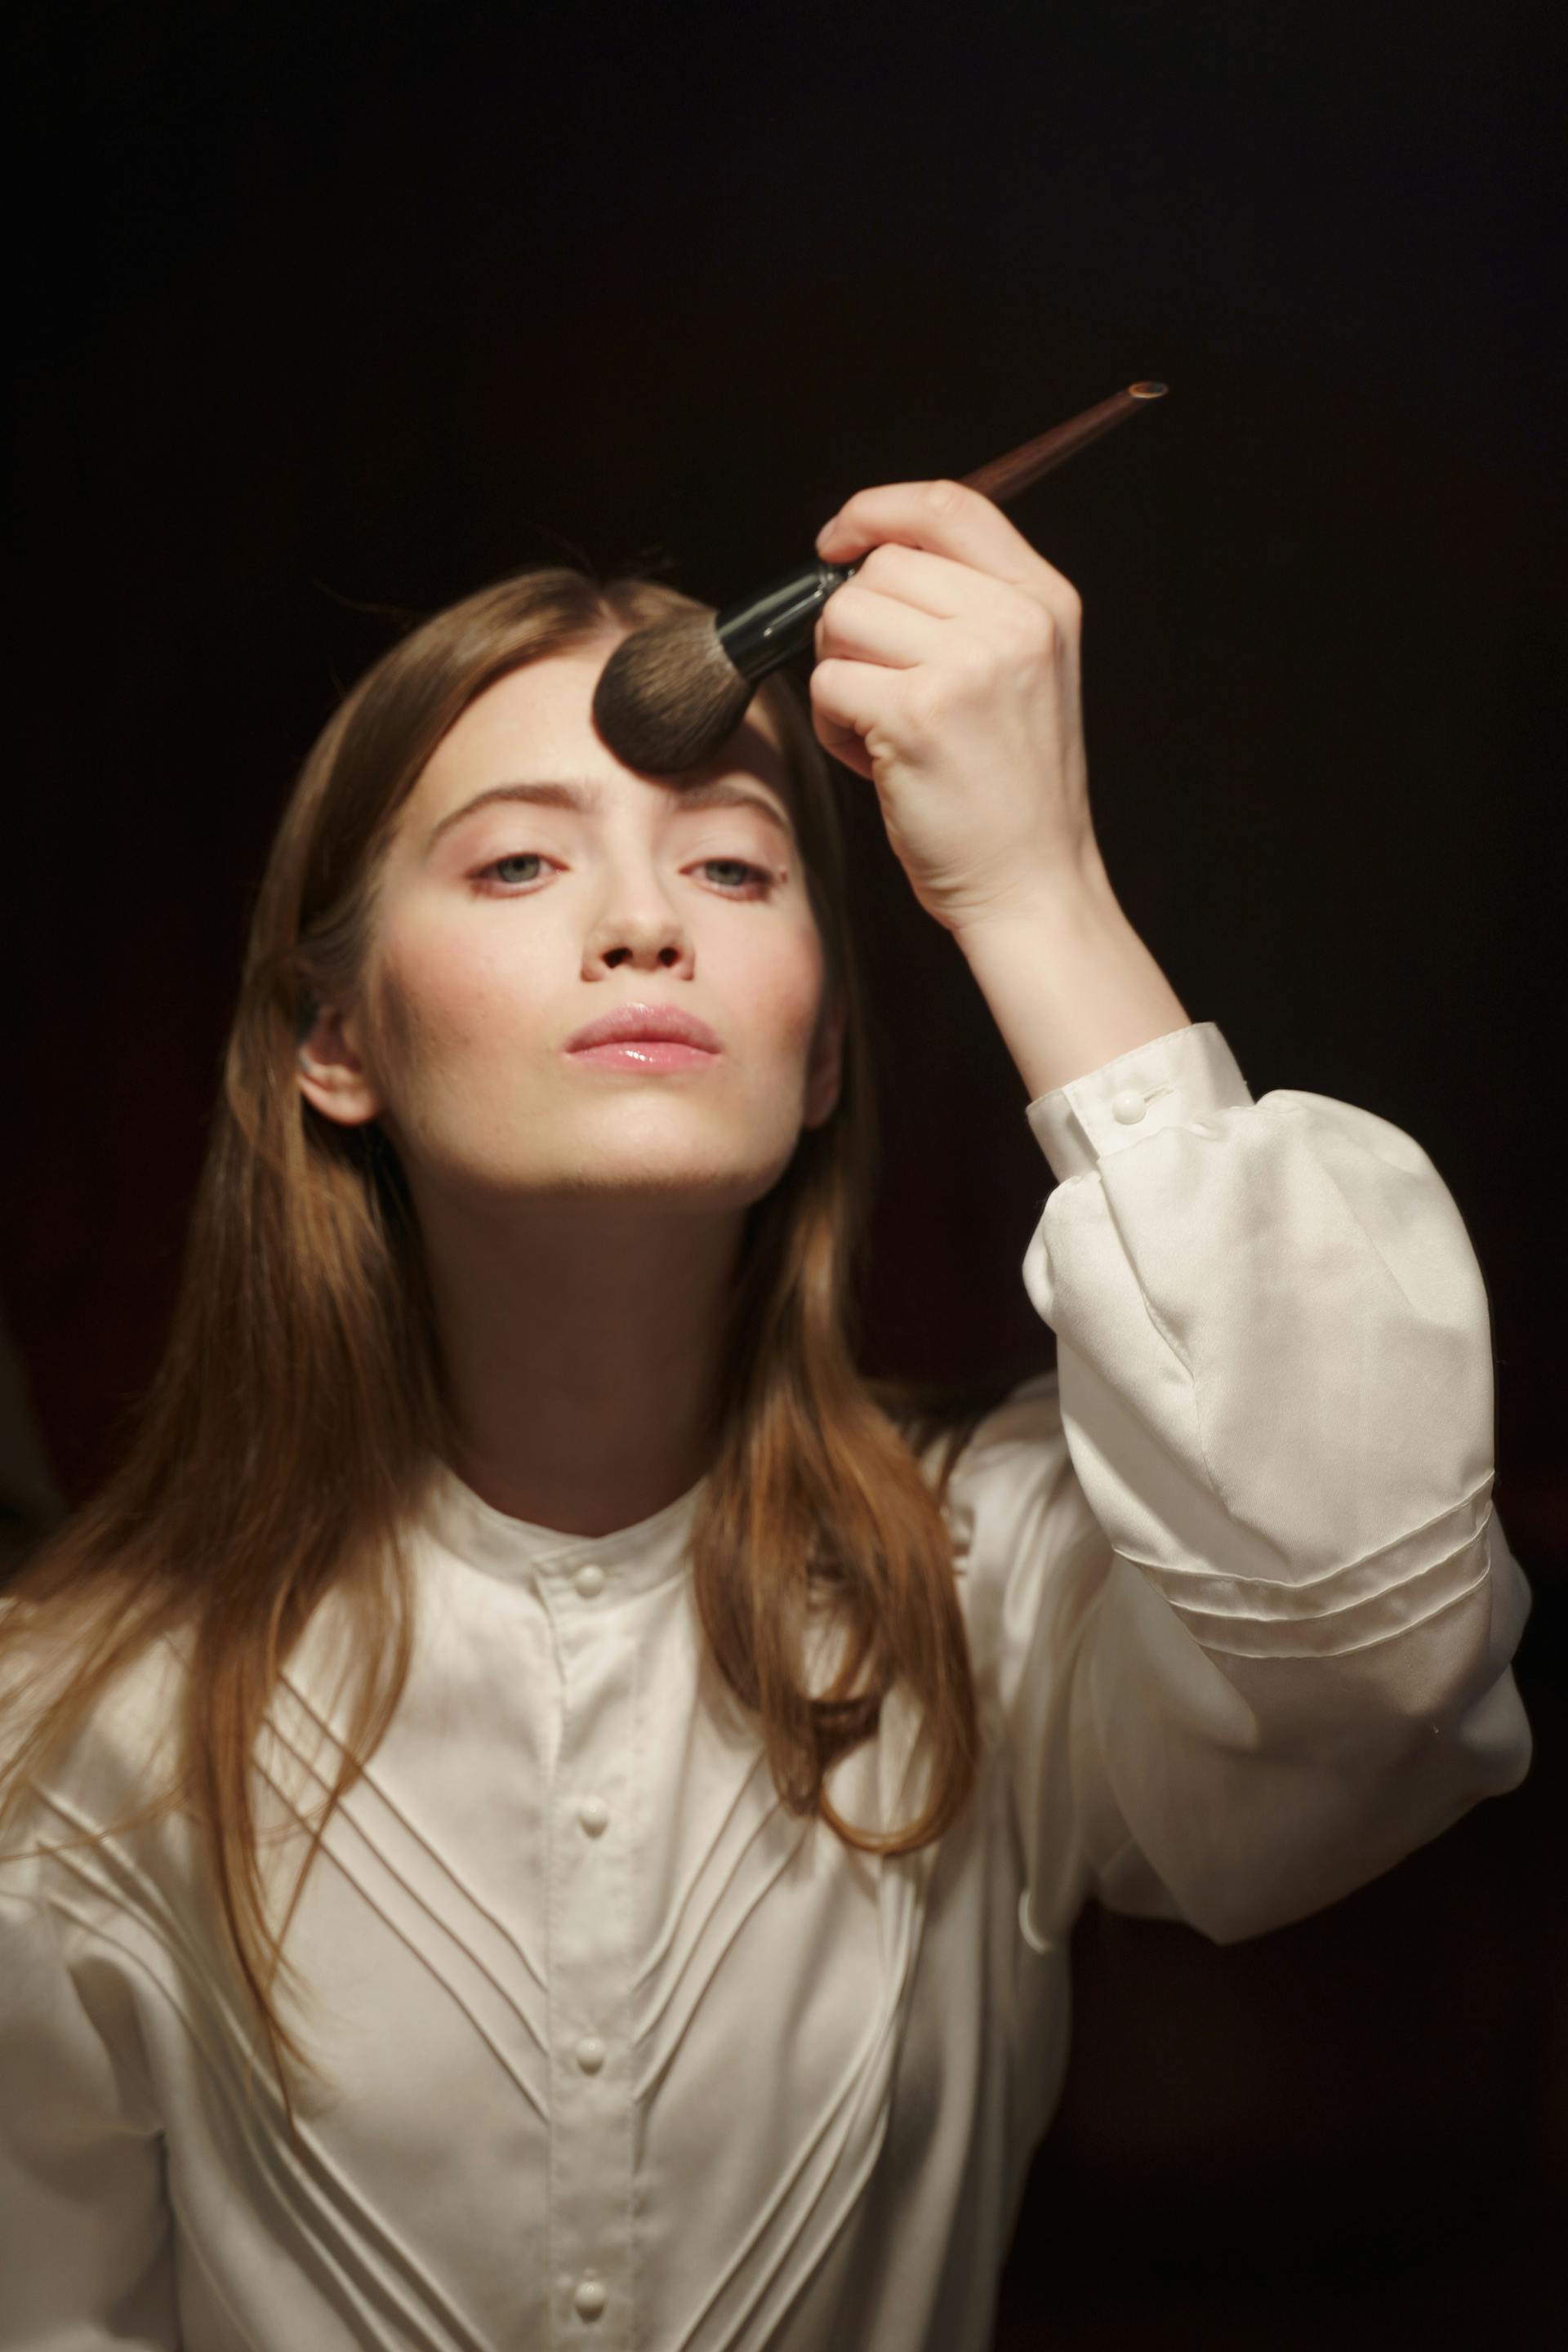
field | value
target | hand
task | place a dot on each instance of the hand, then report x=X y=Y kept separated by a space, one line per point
x=947 y=673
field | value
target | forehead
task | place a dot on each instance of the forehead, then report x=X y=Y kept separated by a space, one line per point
x=538 y=720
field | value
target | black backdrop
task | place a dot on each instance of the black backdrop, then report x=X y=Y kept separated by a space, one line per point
x=328 y=309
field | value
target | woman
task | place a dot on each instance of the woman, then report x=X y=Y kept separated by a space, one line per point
x=710 y=1764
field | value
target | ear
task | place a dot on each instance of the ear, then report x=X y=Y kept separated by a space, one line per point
x=825 y=1074
x=333 y=1073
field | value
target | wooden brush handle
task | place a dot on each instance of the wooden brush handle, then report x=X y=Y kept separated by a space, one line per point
x=759 y=631
x=1005 y=477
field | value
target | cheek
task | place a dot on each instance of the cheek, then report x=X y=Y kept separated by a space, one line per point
x=781 y=995
x=793 y=996
x=446 y=998
x=800 y=1012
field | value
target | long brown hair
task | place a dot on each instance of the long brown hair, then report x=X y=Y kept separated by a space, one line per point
x=288 y=1432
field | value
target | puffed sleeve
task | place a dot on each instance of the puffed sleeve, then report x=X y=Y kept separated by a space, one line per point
x=1254 y=1611
x=86 y=2251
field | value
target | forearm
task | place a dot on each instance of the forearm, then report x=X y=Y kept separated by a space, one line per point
x=1070 y=982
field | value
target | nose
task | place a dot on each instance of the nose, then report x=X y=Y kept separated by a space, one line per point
x=648 y=937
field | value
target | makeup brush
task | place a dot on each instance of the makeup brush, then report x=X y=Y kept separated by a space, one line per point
x=672 y=693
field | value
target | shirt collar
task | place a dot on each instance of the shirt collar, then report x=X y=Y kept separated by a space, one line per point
x=634 y=1559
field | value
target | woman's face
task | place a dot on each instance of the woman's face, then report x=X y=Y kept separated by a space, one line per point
x=505 y=923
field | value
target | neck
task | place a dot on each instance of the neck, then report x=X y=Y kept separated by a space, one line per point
x=581 y=1341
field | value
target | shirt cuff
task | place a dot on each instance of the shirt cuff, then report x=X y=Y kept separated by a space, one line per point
x=1173 y=1081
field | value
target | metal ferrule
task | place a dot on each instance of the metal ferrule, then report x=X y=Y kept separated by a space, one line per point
x=761 y=630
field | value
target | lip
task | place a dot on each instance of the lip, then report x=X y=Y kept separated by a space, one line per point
x=646 y=1053
x=642 y=1023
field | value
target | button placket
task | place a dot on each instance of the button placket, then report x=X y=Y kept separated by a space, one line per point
x=590 y=1972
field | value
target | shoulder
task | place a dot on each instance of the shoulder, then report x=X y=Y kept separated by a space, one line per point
x=112 y=1741
x=951 y=1426
x=1027 y=1414
x=1014 y=1461
x=993 y=1452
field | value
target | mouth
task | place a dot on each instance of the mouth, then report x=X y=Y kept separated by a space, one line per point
x=646 y=1025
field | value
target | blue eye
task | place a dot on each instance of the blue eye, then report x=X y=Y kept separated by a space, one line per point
x=743 y=866
x=519 y=857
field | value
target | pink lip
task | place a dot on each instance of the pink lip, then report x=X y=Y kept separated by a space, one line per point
x=645 y=1053
x=632 y=1024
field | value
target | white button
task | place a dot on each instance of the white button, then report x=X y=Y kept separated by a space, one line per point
x=590 y=2054
x=590 y=2298
x=592 y=1812
x=1041 y=1944
x=590 y=1581
x=1129 y=1106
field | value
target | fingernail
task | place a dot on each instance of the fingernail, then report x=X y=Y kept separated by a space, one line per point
x=825 y=533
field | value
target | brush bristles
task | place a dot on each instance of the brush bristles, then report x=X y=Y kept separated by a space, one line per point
x=669 y=696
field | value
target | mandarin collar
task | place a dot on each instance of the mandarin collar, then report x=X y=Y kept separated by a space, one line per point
x=634 y=1559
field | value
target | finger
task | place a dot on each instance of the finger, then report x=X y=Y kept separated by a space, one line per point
x=851 y=705
x=863 y=624
x=945 y=518
x=937 y=584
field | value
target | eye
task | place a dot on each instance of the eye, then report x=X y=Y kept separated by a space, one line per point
x=759 y=878
x=517 y=857
x=740 y=864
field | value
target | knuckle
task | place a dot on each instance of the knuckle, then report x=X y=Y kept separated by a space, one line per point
x=841 y=607
x=979 y=660
x=943 y=494
x=1029 y=635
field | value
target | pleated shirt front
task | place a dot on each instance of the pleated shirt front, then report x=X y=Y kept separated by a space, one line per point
x=625 y=2056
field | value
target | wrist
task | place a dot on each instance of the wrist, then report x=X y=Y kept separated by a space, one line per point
x=1075 y=894
x=1070 y=984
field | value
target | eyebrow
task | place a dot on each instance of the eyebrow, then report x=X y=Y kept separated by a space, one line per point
x=587 y=799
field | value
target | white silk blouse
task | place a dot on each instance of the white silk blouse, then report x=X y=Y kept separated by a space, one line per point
x=625 y=2059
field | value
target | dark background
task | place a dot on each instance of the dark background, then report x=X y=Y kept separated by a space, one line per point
x=335 y=309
